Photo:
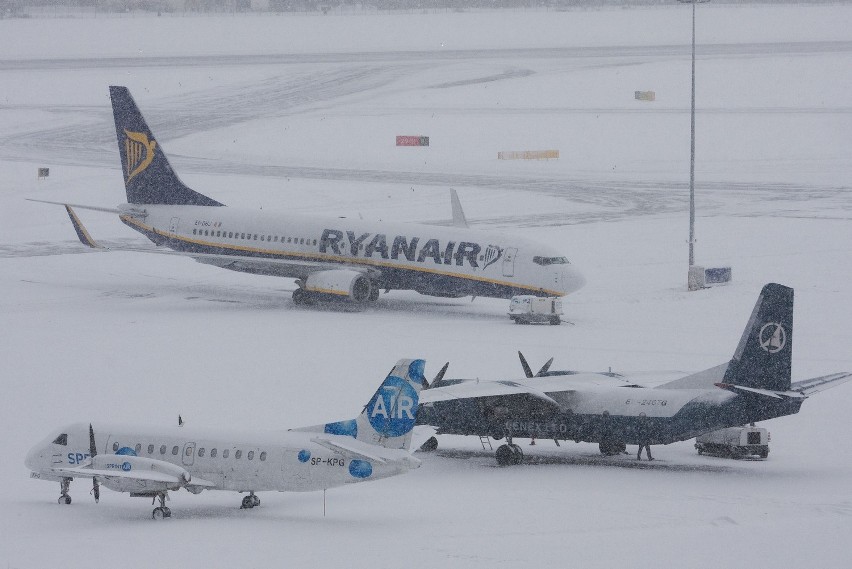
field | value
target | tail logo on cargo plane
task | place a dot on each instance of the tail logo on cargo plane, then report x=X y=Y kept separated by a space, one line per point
x=138 y=151
x=772 y=337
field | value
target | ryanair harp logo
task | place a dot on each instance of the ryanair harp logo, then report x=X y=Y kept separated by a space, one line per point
x=138 y=151
x=492 y=255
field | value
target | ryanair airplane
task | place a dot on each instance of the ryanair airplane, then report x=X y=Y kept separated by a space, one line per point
x=330 y=258
x=150 y=462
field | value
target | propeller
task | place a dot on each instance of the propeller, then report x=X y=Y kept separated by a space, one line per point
x=93 y=451
x=528 y=371
x=438 y=378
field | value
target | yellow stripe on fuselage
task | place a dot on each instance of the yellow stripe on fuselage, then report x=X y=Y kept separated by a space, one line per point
x=333 y=258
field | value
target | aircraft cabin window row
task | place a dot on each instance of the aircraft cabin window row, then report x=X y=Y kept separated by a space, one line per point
x=254 y=237
x=238 y=454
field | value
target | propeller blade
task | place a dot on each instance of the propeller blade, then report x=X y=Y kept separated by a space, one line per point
x=527 y=371
x=544 y=368
x=440 y=377
x=93 y=452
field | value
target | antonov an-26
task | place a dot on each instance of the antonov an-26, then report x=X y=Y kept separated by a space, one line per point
x=150 y=462
x=331 y=258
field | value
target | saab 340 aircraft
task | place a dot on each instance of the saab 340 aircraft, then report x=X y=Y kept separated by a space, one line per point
x=331 y=258
x=150 y=462
x=613 y=410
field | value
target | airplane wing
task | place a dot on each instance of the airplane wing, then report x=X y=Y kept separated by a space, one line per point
x=265 y=265
x=350 y=450
x=814 y=385
x=504 y=393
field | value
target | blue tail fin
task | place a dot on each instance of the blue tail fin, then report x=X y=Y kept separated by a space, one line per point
x=388 y=418
x=148 y=176
x=764 y=356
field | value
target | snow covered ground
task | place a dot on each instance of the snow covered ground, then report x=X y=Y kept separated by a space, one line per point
x=300 y=113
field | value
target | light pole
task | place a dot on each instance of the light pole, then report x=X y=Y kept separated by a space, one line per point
x=692 y=142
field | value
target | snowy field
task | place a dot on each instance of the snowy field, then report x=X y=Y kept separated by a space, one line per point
x=299 y=113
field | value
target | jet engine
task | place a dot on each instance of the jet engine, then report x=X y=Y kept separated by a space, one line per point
x=339 y=284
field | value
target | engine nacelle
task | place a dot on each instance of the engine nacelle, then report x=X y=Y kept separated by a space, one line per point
x=342 y=284
x=124 y=465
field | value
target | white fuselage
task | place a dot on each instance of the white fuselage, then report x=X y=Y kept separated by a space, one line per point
x=285 y=461
x=441 y=261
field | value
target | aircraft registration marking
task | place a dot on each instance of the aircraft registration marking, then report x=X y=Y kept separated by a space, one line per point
x=316 y=461
x=660 y=402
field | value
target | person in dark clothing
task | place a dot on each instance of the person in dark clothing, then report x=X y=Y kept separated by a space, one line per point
x=647 y=448
x=644 y=437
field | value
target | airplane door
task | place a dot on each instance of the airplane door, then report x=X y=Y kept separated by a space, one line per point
x=509 y=262
x=173 y=225
x=188 y=457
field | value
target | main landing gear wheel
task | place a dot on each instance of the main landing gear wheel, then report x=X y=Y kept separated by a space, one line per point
x=509 y=454
x=161 y=511
x=250 y=501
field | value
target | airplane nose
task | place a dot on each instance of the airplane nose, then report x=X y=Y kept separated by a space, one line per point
x=572 y=280
x=32 y=459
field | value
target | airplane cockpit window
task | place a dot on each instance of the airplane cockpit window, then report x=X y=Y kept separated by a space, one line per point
x=544 y=261
x=61 y=439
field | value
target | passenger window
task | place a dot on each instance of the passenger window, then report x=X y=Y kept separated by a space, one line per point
x=175 y=450
x=114 y=447
x=263 y=455
x=238 y=455
x=255 y=236
x=251 y=455
x=138 y=448
x=162 y=449
x=315 y=242
x=289 y=240
x=269 y=237
x=263 y=237
x=242 y=235
x=61 y=439
x=275 y=239
x=225 y=453
x=213 y=453
x=150 y=449
x=201 y=452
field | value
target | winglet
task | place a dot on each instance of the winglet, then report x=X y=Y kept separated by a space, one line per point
x=459 y=220
x=82 y=233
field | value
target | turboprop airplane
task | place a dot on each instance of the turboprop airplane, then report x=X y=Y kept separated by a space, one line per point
x=331 y=258
x=613 y=410
x=150 y=462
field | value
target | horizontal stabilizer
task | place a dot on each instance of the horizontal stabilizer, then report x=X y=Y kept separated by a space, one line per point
x=82 y=232
x=814 y=385
x=350 y=449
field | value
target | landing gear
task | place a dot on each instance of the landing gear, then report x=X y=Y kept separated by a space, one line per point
x=430 y=445
x=555 y=321
x=64 y=485
x=161 y=511
x=509 y=454
x=301 y=296
x=250 y=501
x=612 y=448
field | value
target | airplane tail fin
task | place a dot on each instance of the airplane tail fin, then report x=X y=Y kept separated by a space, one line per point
x=148 y=176
x=388 y=418
x=763 y=359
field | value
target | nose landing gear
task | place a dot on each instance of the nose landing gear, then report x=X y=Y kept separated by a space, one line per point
x=64 y=485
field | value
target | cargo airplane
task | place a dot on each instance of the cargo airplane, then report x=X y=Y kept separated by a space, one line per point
x=149 y=462
x=330 y=258
x=613 y=410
